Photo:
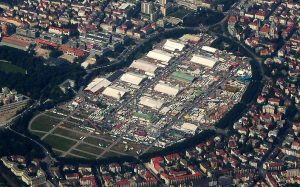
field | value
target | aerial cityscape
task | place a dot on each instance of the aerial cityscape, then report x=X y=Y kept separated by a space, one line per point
x=142 y=93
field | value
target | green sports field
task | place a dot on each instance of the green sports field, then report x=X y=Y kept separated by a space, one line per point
x=44 y=123
x=7 y=67
x=59 y=143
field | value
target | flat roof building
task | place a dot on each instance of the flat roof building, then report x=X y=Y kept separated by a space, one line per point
x=115 y=92
x=160 y=55
x=155 y=104
x=209 y=49
x=173 y=45
x=97 y=84
x=182 y=76
x=133 y=78
x=189 y=127
x=144 y=66
x=205 y=61
x=166 y=89
x=190 y=38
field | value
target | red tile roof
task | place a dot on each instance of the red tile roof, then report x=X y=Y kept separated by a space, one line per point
x=16 y=41
x=75 y=51
x=44 y=42
x=60 y=29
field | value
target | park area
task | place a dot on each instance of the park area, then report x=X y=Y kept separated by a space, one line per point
x=8 y=67
x=180 y=13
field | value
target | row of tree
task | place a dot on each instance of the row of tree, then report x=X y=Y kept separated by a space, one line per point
x=202 y=16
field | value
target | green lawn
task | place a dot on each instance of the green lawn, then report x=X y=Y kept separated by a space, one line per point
x=180 y=13
x=63 y=111
x=79 y=153
x=136 y=147
x=39 y=134
x=57 y=153
x=96 y=141
x=67 y=133
x=44 y=123
x=89 y=149
x=68 y=125
x=81 y=116
x=74 y=120
x=54 y=115
x=152 y=149
x=72 y=156
x=105 y=136
x=111 y=154
x=59 y=142
x=7 y=67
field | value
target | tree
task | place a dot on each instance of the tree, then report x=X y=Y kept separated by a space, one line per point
x=55 y=53
x=40 y=79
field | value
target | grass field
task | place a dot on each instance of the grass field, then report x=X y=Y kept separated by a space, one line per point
x=136 y=147
x=68 y=125
x=44 y=123
x=152 y=149
x=79 y=153
x=74 y=127
x=96 y=141
x=7 y=67
x=110 y=154
x=74 y=120
x=55 y=115
x=90 y=149
x=180 y=13
x=67 y=133
x=39 y=134
x=57 y=153
x=82 y=116
x=63 y=111
x=59 y=142
x=72 y=156
x=106 y=136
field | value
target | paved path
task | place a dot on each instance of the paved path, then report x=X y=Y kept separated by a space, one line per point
x=107 y=149
x=75 y=145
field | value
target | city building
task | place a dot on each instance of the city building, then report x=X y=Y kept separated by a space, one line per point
x=145 y=66
x=172 y=45
x=147 y=7
x=167 y=89
x=97 y=85
x=155 y=104
x=133 y=78
x=114 y=92
x=160 y=55
x=205 y=61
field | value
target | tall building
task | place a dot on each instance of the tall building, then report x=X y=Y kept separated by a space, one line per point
x=154 y=15
x=166 y=9
x=163 y=2
x=147 y=7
